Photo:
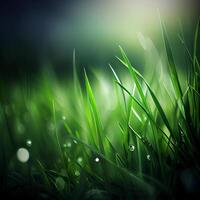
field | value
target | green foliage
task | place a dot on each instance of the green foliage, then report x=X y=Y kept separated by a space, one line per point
x=139 y=144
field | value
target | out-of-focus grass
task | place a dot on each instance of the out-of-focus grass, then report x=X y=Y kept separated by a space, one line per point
x=124 y=138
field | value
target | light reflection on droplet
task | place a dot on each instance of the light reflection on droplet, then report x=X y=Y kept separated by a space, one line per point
x=28 y=143
x=75 y=142
x=96 y=159
x=148 y=157
x=22 y=155
x=131 y=147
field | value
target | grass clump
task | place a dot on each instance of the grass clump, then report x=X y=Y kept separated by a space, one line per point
x=143 y=142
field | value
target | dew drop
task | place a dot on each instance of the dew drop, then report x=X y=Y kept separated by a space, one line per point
x=28 y=143
x=96 y=159
x=131 y=147
x=22 y=155
x=148 y=157
x=75 y=142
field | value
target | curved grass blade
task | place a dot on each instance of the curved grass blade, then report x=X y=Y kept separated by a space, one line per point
x=94 y=113
x=171 y=65
x=118 y=80
x=157 y=104
x=133 y=75
x=147 y=113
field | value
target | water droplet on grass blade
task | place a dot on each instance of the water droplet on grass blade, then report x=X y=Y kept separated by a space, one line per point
x=96 y=159
x=148 y=157
x=22 y=155
x=131 y=147
x=75 y=142
x=60 y=183
x=28 y=143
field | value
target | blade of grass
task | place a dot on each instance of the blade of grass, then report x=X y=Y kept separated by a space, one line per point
x=94 y=113
x=118 y=80
x=133 y=75
x=171 y=65
x=147 y=113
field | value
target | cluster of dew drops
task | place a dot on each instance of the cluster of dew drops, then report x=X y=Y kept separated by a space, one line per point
x=23 y=156
x=23 y=153
x=132 y=148
x=69 y=145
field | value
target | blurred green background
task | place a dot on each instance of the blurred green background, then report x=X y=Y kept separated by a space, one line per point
x=136 y=139
x=37 y=34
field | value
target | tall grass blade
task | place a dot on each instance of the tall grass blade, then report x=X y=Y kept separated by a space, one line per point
x=118 y=80
x=133 y=75
x=171 y=65
x=95 y=114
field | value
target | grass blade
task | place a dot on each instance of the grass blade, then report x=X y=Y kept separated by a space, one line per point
x=95 y=114
x=171 y=65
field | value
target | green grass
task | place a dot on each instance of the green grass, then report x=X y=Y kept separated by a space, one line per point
x=138 y=140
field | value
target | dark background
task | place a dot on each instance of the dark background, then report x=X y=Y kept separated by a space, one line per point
x=26 y=44
x=25 y=31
